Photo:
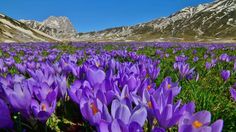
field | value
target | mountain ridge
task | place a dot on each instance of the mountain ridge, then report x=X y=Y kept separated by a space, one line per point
x=12 y=30
x=181 y=25
x=215 y=21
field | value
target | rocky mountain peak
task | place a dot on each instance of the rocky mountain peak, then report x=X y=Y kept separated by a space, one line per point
x=61 y=23
x=56 y=26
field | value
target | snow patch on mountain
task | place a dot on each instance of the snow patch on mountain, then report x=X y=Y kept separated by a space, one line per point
x=210 y=20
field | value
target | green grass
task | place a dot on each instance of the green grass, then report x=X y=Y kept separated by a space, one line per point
x=210 y=92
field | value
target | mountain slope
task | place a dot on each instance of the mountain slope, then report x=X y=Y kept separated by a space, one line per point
x=214 y=21
x=206 y=21
x=14 y=31
x=59 y=27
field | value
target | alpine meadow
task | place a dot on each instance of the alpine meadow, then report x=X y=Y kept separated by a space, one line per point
x=170 y=74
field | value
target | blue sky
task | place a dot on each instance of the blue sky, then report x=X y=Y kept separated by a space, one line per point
x=93 y=15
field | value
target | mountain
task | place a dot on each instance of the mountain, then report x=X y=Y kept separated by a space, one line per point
x=12 y=30
x=215 y=21
x=59 y=27
x=212 y=21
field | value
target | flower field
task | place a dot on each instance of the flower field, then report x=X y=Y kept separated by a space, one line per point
x=185 y=87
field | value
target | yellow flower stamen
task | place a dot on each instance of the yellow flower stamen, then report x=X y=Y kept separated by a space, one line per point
x=197 y=124
x=148 y=87
x=169 y=86
x=149 y=104
x=44 y=107
x=94 y=108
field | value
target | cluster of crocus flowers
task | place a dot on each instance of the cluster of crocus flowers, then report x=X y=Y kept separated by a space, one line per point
x=125 y=100
x=114 y=91
x=35 y=97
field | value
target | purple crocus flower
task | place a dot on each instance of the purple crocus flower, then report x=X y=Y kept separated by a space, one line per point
x=181 y=58
x=9 y=80
x=199 y=122
x=5 y=118
x=132 y=82
x=193 y=75
x=168 y=117
x=112 y=64
x=225 y=74
x=95 y=76
x=194 y=51
x=20 y=97
x=42 y=110
x=75 y=91
x=166 y=113
x=124 y=119
x=176 y=65
x=67 y=66
x=158 y=52
x=62 y=84
x=233 y=91
x=9 y=61
x=148 y=104
x=122 y=112
x=168 y=85
x=184 y=70
x=224 y=57
x=153 y=72
x=31 y=65
x=195 y=59
x=91 y=110
x=43 y=90
x=127 y=95
x=213 y=62
x=167 y=55
x=21 y=68
x=50 y=57
x=3 y=68
x=41 y=76
x=45 y=97
x=208 y=65
x=150 y=87
x=44 y=103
